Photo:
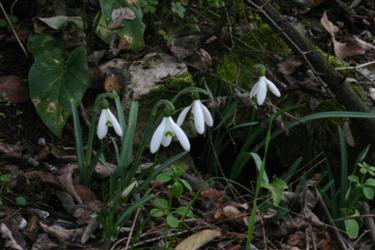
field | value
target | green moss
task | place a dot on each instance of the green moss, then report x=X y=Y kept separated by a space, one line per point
x=359 y=91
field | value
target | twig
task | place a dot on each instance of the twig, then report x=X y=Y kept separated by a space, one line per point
x=132 y=229
x=13 y=30
x=356 y=67
x=338 y=235
x=369 y=221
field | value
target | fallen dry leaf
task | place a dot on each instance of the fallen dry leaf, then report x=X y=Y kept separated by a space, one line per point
x=43 y=243
x=66 y=179
x=198 y=239
x=234 y=213
x=104 y=170
x=90 y=229
x=119 y=15
x=85 y=193
x=212 y=194
x=297 y=239
x=113 y=83
x=10 y=241
x=348 y=49
x=14 y=89
x=61 y=233
x=328 y=25
x=351 y=47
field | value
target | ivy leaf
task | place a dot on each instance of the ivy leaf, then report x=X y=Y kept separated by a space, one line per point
x=368 y=192
x=55 y=78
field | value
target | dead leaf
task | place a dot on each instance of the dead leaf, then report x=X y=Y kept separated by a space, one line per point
x=328 y=25
x=90 y=229
x=289 y=66
x=213 y=194
x=10 y=241
x=348 y=49
x=233 y=213
x=184 y=47
x=44 y=176
x=85 y=193
x=66 y=179
x=113 y=82
x=14 y=89
x=61 y=233
x=43 y=243
x=297 y=239
x=33 y=225
x=105 y=169
x=372 y=93
x=348 y=135
x=198 y=239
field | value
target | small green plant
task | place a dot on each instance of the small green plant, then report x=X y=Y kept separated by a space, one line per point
x=4 y=24
x=5 y=180
x=173 y=216
x=173 y=177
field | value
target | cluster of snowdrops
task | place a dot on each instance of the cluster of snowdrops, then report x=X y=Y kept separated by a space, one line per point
x=168 y=128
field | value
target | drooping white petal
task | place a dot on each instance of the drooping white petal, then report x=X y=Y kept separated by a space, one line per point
x=207 y=115
x=254 y=90
x=273 y=88
x=198 y=117
x=181 y=117
x=167 y=135
x=261 y=91
x=102 y=126
x=180 y=134
x=114 y=122
x=157 y=136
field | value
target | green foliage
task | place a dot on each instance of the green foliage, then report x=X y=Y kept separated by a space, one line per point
x=148 y=6
x=128 y=27
x=173 y=216
x=178 y=9
x=4 y=23
x=56 y=78
x=216 y=3
x=173 y=178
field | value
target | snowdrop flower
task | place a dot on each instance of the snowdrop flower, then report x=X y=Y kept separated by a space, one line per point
x=201 y=115
x=260 y=89
x=107 y=119
x=164 y=133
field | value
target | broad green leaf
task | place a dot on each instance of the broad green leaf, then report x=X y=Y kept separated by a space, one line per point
x=368 y=192
x=156 y=212
x=129 y=30
x=62 y=22
x=21 y=201
x=351 y=228
x=178 y=171
x=172 y=221
x=163 y=177
x=184 y=212
x=161 y=203
x=55 y=79
x=5 y=178
x=276 y=187
x=353 y=178
x=370 y=182
x=177 y=189
x=178 y=9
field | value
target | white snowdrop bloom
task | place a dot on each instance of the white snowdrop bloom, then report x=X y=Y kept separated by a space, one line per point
x=260 y=89
x=107 y=119
x=164 y=133
x=201 y=115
